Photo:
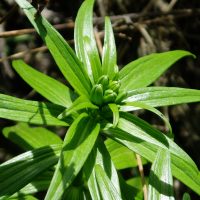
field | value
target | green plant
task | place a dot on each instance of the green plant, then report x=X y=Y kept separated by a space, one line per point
x=101 y=131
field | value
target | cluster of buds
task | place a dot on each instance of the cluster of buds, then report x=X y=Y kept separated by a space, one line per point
x=106 y=91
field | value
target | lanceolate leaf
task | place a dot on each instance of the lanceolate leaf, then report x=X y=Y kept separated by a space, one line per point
x=78 y=143
x=48 y=87
x=31 y=138
x=163 y=96
x=84 y=36
x=122 y=157
x=160 y=180
x=140 y=137
x=109 y=60
x=144 y=71
x=19 y=171
x=115 y=111
x=64 y=56
x=107 y=189
x=34 y=112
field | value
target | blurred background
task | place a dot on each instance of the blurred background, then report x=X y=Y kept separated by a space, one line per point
x=140 y=28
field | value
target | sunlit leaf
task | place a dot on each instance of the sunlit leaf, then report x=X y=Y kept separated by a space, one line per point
x=163 y=96
x=109 y=59
x=160 y=179
x=20 y=170
x=85 y=43
x=64 y=56
x=144 y=71
x=34 y=112
x=48 y=87
x=78 y=143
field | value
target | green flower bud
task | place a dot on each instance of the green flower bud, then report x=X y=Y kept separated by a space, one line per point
x=104 y=81
x=115 y=85
x=96 y=94
x=109 y=96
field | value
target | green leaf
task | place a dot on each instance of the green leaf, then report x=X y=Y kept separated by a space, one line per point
x=186 y=196
x=107 y=189
x=30 y=138
x=109 y=59
x=100 y=156
x=160 y=179
x=130 y=106
x=48 y=87
x=163 y=96
x=144 y=71
x=24 y=197
x=122 y=157
x=115 y=111
x=79 y=104
x=34 y=112
x=143 y=139
x=20 y=170
x=64 y=56
x=78 y=143
x=85 y=43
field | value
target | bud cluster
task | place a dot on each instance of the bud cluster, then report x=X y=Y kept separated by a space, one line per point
x=106 y=91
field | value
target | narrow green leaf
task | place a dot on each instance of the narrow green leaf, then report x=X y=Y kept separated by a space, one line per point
x=160 y=179
x=107 y=189
x=144 y=71
x=24 y=197
x=85 y=43
x=20 y=170
x=100 y=156
x=163 y=96
x=143 y=139
x=48 y=87
x=109 y=59
x=34 y=112
x=64 y=56
x=79 y=104
x=115 y=111
x=78 y=143
x=30 y=138
x=130 y=106
x=121 y=156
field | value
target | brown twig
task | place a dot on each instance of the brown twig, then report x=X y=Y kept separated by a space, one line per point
x=157 y=16
x=141 y=170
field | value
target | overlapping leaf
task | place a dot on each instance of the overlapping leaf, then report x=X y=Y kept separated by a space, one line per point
x=85 y=43
x=34 y=112
x=160 y=179
x=20 y=170
x=64 y=56
x=143 y=139
x=77 y=145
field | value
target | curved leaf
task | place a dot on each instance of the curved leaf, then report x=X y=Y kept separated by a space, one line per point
x=64 y=56
x=144 y=71
x=143 y=139
x=160 y=179
x=107 y=189
x=34 y=112
x=48 y=87
x=85 y=43
x=163 y=96
x=78 y=143
x=20 y=170
x=30 y=138
x=115 y=111
x=109 y=59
